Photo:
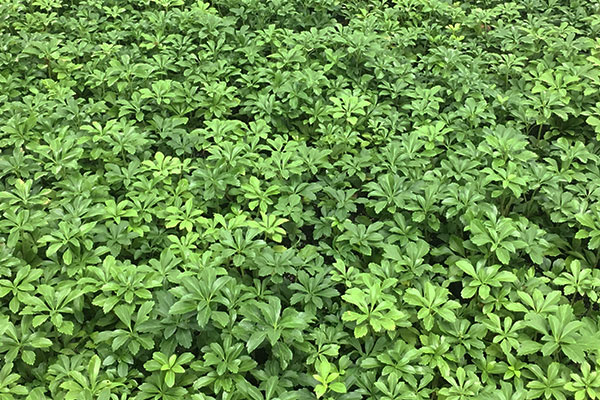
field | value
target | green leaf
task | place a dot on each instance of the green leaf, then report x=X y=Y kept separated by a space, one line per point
x=67 y=257
x=338 y=387
x=360 y=331
x=182 y=307
x=170 y=378
x=256 y=339
x=94 y=368
x=28 y=357
x=529 y=347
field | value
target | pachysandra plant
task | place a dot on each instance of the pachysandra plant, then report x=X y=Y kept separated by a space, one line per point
x=299 y=199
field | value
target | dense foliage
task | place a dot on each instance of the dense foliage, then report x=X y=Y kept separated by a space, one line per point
x=298 y=199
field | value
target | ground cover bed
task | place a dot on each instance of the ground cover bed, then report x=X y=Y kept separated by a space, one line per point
x=299 y=199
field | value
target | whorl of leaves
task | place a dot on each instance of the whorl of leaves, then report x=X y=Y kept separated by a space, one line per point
x=290 y=199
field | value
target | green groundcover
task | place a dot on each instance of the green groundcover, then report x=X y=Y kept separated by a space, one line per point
x=299 y=199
